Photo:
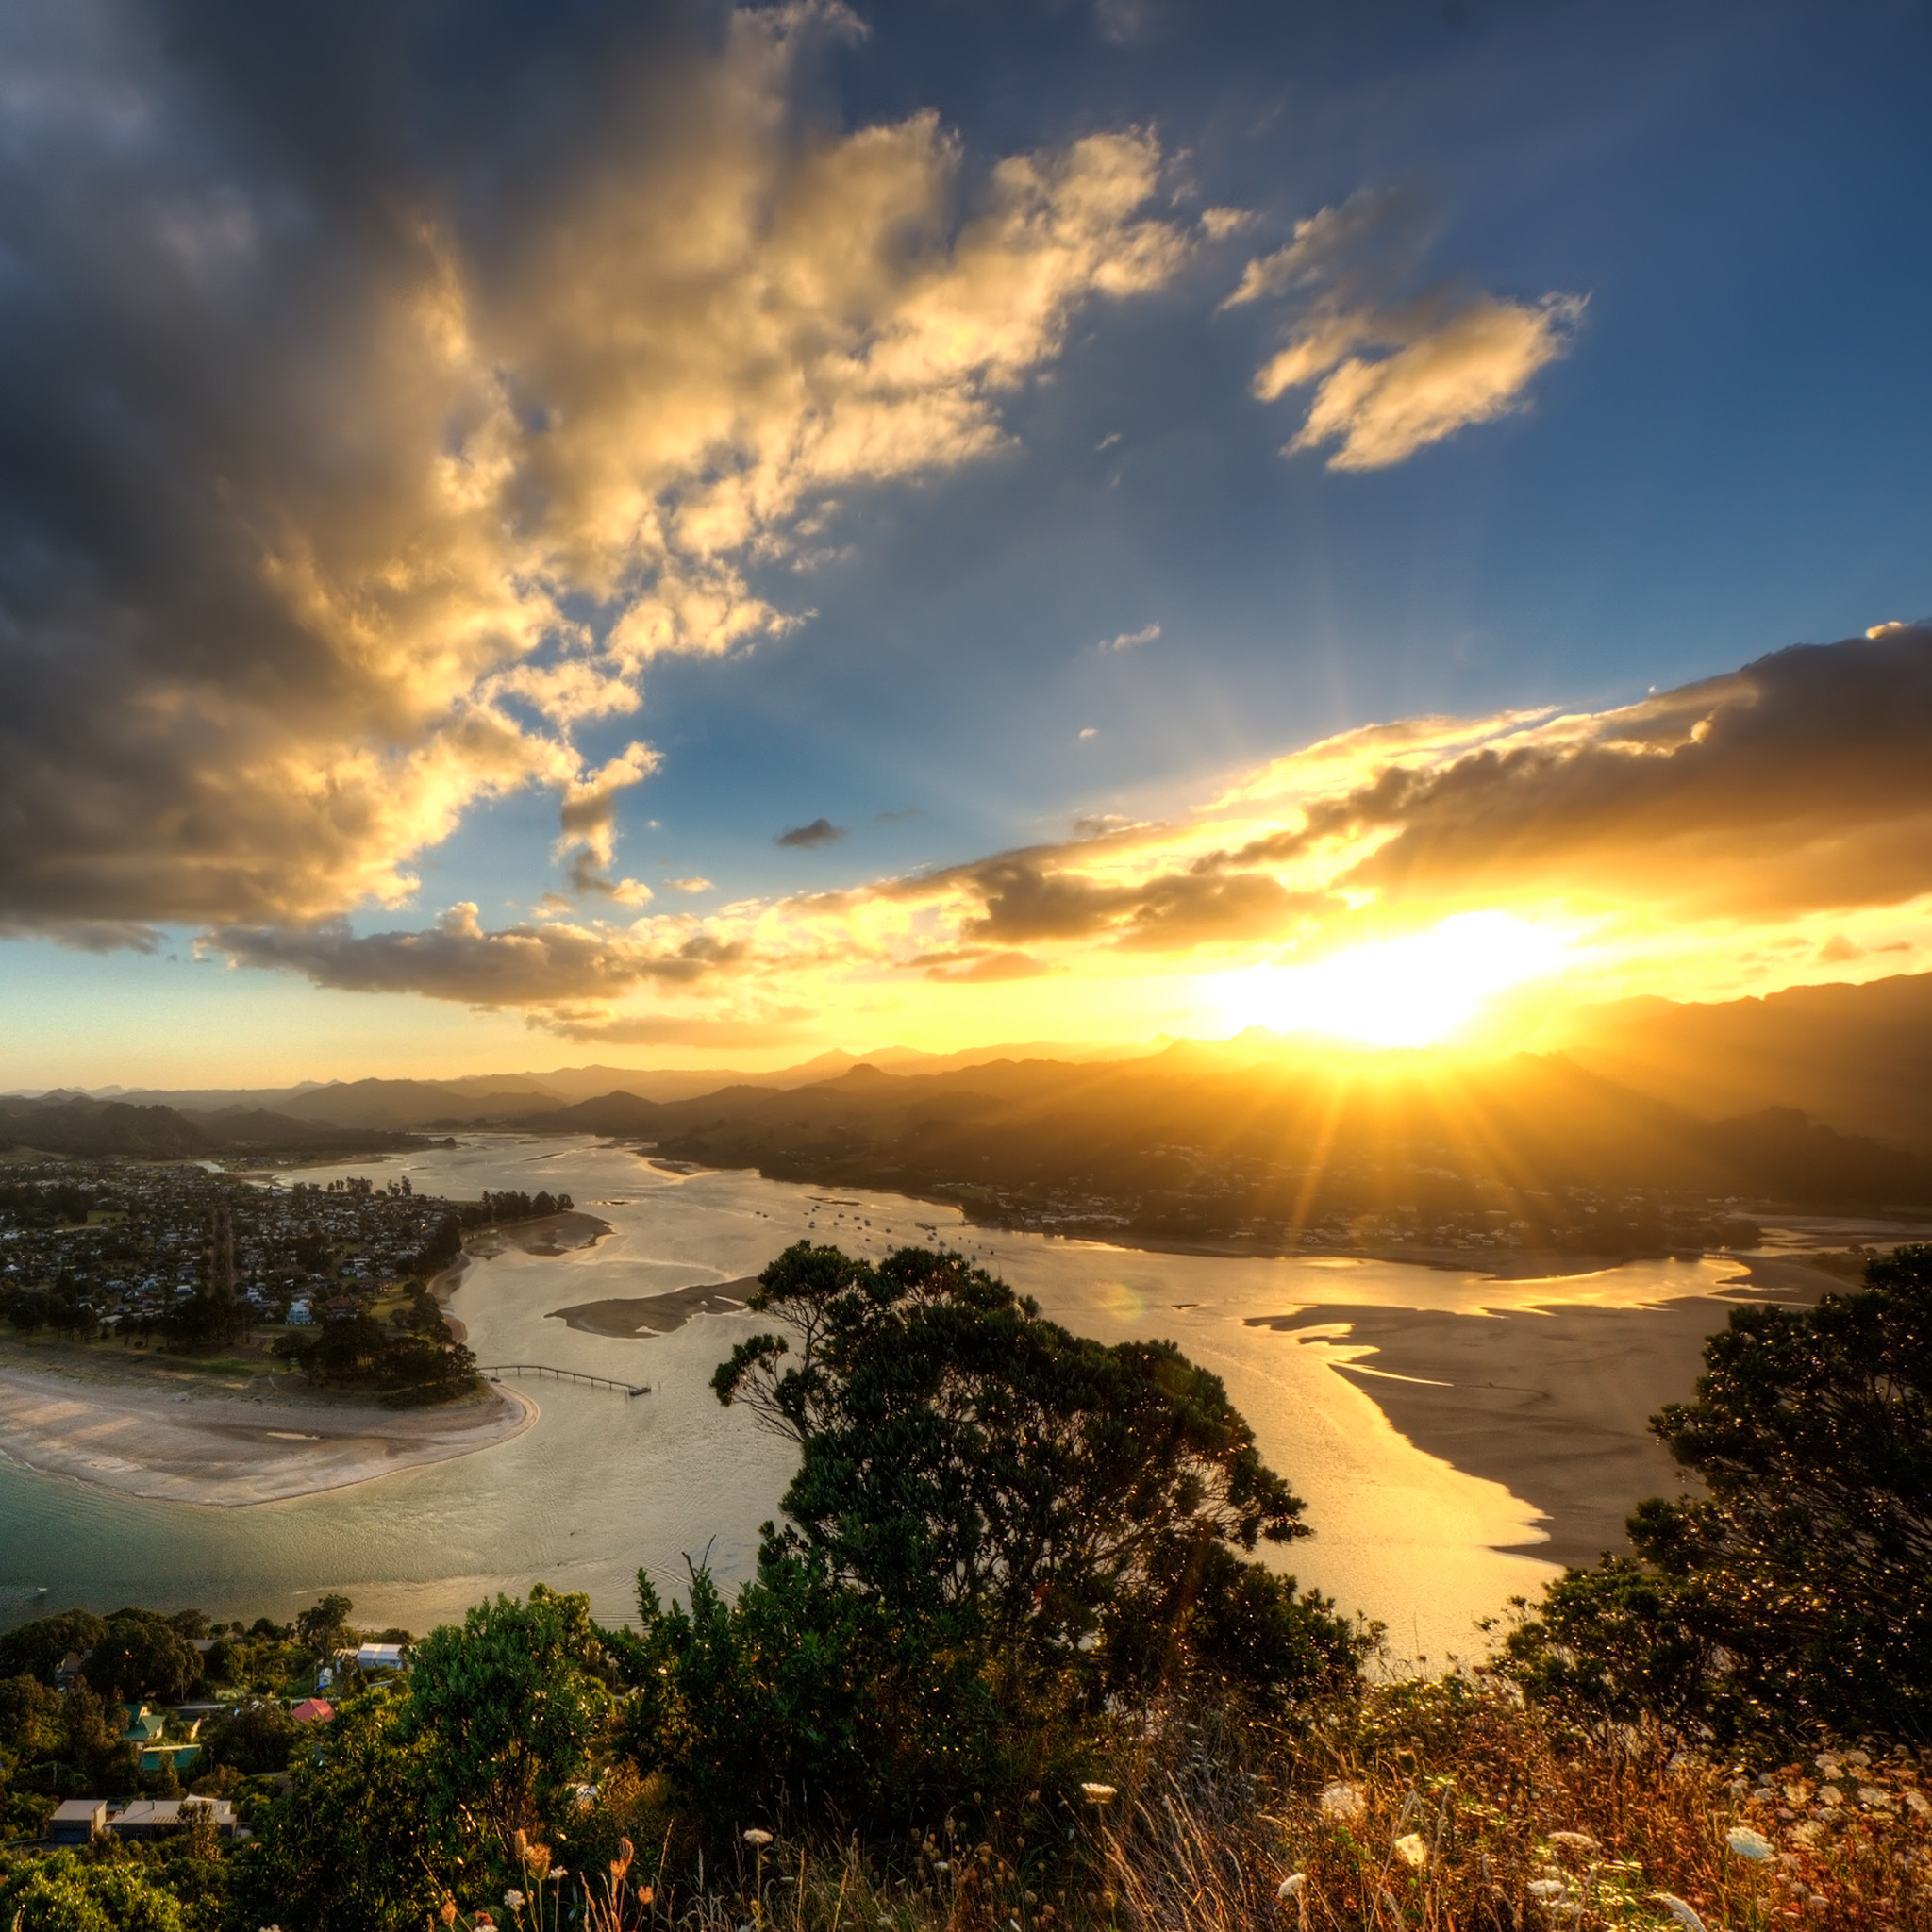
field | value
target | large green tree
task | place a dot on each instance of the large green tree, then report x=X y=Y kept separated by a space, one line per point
x=1796 y=1594
x=508 y=1702
x=967 y=1464
x=994 y=1526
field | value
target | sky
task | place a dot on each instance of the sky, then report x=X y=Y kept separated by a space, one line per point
x=686 y=535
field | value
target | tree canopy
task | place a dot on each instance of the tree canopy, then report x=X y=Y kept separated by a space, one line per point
x=1796 y=1594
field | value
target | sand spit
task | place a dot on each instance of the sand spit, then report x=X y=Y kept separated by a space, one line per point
x=1554 y=1402
x=657 y=1314
x=228 y=1450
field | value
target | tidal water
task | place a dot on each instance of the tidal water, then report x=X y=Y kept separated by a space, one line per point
x=602 y=1485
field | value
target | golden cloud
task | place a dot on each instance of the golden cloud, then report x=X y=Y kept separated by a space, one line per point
x=1448 y=357
x=1792 y=790
x=391 y=503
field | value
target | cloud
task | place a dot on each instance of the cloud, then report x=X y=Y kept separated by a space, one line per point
x=531 y=966
x=820 y=832
x=690 y=885
x=373 y=422
x=996 y=969
x=1127 y=639
x=781 y=1026
x=1797 y=783
x=1394 y=371
x=1727 y=821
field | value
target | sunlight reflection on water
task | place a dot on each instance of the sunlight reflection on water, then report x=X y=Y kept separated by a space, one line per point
x=602 y=1483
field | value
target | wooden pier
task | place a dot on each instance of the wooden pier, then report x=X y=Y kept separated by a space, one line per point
x=497 y=1370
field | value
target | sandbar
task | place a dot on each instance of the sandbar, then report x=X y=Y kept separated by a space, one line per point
x=1552 y=1402
x=228 y=1450
x=657 y=1314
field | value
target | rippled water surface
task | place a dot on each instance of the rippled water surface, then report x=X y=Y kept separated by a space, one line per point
x=602 y=1485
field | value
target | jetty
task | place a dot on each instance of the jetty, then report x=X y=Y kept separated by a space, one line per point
x=496 y=1370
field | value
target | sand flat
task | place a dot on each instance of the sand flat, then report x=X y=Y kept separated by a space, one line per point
x=630 y=1316
x=1553 y=1401
x=228 y=1450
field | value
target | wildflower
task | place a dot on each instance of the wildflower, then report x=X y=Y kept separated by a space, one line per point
x=1097 y=1794
x=448 y=1913
x=1747 y=1843
x=755 y=1836
x=1544 y=1887
x=1292 y=1885
x=1857 y=1760
x=1875 y=1796
x=513 y=1899
x=1828 y=1763
x=1678 y=1910
x=1411 y=1849
x=1581 y=1840
x=1341 y=1801
x=1919 y=1801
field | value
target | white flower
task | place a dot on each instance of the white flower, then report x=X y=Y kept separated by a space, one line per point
x=1097 y=1794
x=1748 y=1843
x=1411 y=1849
x=1919 y=1801
x=1580 y=1840
x=1678 y=1910
x=1544 y=1887
x=1292 y=1885
x=1343 y=1801
x=1857 y=1760
x=755 y=1836
x=1877 y=1796
x=513 y=1899
x=1828 y=1763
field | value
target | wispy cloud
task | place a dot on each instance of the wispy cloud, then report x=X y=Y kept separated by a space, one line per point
x=1129 y=640
x=1395 y=367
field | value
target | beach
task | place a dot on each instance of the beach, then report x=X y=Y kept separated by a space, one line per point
x=228 y=1447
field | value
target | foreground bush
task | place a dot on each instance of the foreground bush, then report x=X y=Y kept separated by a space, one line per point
x=1794 y=1600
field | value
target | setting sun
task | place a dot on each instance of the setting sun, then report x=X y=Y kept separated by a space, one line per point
x=1412 y=992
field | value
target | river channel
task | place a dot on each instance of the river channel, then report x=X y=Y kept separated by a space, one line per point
x=603 y=1485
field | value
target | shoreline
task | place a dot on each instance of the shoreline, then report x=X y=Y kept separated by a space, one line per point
x=226 y=1450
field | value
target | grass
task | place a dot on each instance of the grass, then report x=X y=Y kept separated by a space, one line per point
x=1444 y=1806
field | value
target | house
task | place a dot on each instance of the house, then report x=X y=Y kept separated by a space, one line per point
x=379 y=1656
x=70 y=1667
x=313 y=1711
x=151 y=1817
x=143 y=1725
x=77 y=1821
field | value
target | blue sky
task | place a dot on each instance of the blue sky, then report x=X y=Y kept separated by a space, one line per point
x=1715 y=452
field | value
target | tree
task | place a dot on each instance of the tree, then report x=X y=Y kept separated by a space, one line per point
x=323 y=1628
x=350 y=1848
x=39 y=1648
x=141 y=1654
x=1798 y=1594
x=967 y=1464
x=996 y=1526
x=65 y=1894
x=255 y=1737
x=508 y=1702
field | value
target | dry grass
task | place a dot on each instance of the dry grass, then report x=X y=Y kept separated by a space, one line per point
x=1422 y=1807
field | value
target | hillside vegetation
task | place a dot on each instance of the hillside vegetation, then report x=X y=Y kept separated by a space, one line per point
x=1011 y=1659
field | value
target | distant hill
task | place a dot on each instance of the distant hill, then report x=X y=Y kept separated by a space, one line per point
x=505 y=1098
x=86 y=1129
x=1858 y=1057
x=1276 y=1137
